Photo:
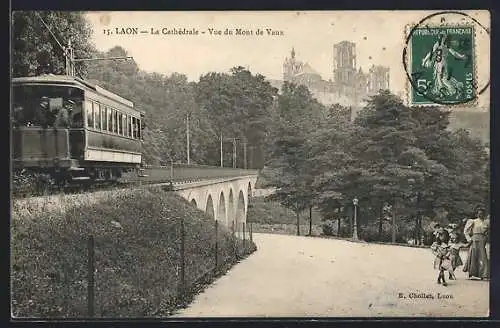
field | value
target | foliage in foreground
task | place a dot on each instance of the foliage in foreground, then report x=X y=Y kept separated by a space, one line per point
x=137 y=242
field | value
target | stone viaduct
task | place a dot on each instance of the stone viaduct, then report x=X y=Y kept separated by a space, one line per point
x=224 y=199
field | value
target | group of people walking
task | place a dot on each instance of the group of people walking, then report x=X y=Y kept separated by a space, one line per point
x=447 y=246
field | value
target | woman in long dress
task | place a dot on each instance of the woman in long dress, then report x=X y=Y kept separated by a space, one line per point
x=476 y=232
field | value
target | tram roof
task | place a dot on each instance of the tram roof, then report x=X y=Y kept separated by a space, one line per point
x=65 y=79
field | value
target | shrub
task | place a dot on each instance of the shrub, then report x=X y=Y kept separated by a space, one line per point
x=370 y=232
x=404 y=231
x=329 y=227
x=287 y=229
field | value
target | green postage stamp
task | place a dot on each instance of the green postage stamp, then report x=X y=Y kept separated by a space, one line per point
x=442 y=65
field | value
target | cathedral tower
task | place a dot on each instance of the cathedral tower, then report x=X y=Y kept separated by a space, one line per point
x=378 y=78
x=344 y=63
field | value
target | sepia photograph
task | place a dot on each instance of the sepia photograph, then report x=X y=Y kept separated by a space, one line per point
x=262 y=164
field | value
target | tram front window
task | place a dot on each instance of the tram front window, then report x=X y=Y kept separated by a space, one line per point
x=47 y=106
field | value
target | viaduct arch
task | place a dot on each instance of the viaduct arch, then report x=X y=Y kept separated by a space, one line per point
x=225 y=200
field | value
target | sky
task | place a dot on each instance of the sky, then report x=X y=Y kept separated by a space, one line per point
x=379 y=37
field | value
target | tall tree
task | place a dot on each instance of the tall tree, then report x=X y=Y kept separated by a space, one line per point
x=166 y=100
x=380 y=144
x=469 y=169
x=35 y=49
x=288 y=170
x=330 y=161
x=462 y=184
x=238 y=104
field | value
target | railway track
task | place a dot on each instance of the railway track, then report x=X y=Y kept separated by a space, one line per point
x=153 y=175
x=21 y=193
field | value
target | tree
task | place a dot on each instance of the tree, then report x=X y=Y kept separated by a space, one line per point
x=461 y=185
x=383 y=136
x=284 y=170
x=330 y=161
x=408 y=158
x=36 y=51
x=469 y=168
x=167 y=100
x=238 y=105
x=288 y=168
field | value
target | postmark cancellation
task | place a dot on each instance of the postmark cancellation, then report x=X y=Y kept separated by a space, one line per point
x=441 y=62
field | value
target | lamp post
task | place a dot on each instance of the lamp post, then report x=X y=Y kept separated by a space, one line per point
x=355 y=230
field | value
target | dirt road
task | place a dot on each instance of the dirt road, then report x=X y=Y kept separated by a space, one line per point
x=303 y=276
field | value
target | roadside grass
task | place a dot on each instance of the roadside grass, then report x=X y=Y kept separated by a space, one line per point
x=269 y=212
x=286 y=229
x=272 y=217
x=137 y=237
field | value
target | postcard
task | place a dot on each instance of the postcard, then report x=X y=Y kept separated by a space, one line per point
x=312 y=164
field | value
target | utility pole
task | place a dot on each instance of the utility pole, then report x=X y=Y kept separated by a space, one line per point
x=69 y=54
x=234 y=153
x=68 y=60
x=187 y=138
x=245 y=154
x=251 y=156
x=221 y=153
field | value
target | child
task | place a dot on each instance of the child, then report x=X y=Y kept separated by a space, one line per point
x=437 y=230
x=456 y=261
x=441 y=250
x=452 y=228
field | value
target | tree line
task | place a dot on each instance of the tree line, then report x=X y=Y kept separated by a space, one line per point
x=234 y=106
x=399 y=162
x=404 y=165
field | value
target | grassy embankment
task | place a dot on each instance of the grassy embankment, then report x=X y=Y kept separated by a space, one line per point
x=137 y=258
